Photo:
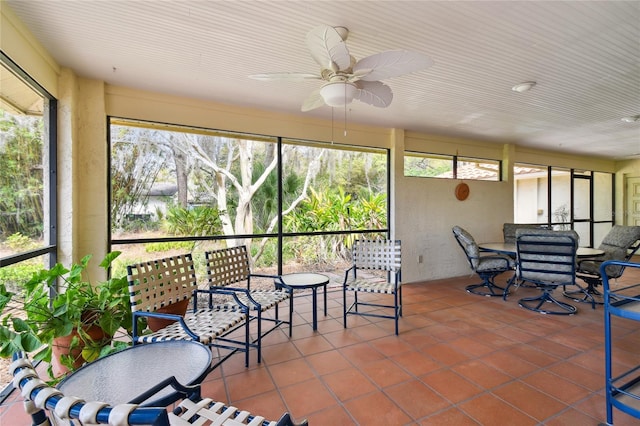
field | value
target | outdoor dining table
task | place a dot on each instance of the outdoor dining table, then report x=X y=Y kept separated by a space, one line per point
x=122 y=377
x=511 y=250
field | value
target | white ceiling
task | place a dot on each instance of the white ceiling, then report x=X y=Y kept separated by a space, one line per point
x=584 y=56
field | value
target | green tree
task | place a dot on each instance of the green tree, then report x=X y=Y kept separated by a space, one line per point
x=21 y=179
x=334 y=210
x=135 y=165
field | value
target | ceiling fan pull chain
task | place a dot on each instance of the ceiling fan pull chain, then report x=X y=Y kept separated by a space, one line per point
x=331 y=126
x=345 y=120
x=345 y=111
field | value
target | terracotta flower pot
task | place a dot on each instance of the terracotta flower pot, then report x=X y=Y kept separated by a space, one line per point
x=62 y=346
x=178 y=308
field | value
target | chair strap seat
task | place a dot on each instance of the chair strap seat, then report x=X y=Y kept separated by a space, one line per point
x=372 y=287
x=207 y=411
x=266 y=298
x=207 y=324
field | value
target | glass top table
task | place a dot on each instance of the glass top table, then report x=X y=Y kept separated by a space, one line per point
x=510 y=249
x=123 y=376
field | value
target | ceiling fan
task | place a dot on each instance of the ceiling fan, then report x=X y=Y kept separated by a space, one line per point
x=346 y=79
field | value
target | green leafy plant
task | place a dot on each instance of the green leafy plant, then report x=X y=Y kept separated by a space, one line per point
x=21 y=179
x=14 y=275
x=166 y=246
x=198 y=221
x=19 y=242
x=77 y=307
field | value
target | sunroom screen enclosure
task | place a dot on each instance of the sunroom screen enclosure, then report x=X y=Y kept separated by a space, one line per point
x=176 y=188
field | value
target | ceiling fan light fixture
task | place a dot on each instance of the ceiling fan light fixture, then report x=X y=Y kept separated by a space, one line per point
x=523 y=87
x=339 y=93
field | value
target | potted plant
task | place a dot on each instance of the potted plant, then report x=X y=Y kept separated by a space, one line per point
x=70 y=326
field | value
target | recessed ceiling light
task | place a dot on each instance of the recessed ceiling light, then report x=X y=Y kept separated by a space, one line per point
x=523 y=87
x=631 y=118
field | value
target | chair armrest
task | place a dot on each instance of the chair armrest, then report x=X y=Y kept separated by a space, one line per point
x=274 y=277
x=184 y=391
x=264 y=276
x=590 y=259
x=231 y=291
x=159 y=315
x=346 y=274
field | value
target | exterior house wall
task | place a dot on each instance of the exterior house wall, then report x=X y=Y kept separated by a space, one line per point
x=527 y=201
x=625 y=170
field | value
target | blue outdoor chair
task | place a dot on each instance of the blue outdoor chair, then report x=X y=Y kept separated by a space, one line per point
x=620 y=243
x=42 y=401
x=383 y=256
x=487 y=266
x=547 y=259
x=159 y=284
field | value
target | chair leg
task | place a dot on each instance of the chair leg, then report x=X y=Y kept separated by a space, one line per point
x=511 y=282
x=344 y=306
x=259 y=339
x=290 y=312
x=535 y=304
x=397 y=310
x=493 y=290
x=586 y=295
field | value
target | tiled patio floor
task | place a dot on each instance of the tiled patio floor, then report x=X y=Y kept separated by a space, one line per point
x=460 y=359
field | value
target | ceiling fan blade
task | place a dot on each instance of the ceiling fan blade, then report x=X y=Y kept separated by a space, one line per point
x=291 y=76
x=392 y=63
x=328 y=49
x=374 y=93
x=314 y=101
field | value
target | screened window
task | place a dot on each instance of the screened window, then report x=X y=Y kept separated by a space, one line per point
x=27 y=165
x=581 y=200
x=450 y=167
x=180 y=188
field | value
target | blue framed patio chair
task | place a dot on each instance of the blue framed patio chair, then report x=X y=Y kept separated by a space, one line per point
x=546 y=258
x=47 y=405
x=229 y=267
x=620 y=243
x=487 y=266
x=369 y=256
x=509 y=230
x=157 y=286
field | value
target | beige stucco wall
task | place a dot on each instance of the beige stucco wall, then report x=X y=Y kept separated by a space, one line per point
x=137 y=104
x=422 y=210
x=82 y=170
x=20 y=45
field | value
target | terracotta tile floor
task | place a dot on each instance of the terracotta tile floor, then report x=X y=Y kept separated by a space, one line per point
x=460 y=359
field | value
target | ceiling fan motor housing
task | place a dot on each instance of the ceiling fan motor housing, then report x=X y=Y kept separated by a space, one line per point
x=339 y=93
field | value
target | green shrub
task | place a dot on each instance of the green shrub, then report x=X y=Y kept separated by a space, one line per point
x=199 y=221
x=14 y=276
x=169 y=245
x=18 y=242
